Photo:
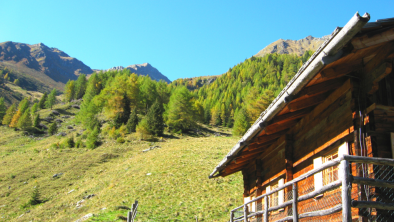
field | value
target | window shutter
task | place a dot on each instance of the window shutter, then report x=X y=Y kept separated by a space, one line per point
x=318 y=177
x=281 y=193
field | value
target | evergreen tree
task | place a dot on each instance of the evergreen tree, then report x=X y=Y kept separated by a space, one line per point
x=93 y=141
x=80 y=86
x=22 y=107
x=154 y=119
x=37 y=120
x=34 y=109
x=69 y=92
x=133 y=121
x=25 y=120
x=43 y=100
x=15 y=119
x=3 y=108
x=9 y=114
x=241 y=123
x=51 y=99
x=52 y=128
x=16 y=82
x=180 y=114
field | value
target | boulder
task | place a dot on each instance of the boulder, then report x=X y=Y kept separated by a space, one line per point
x=54 y=112
x=58 y=120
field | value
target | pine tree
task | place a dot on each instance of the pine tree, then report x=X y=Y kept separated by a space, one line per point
x=93 y=141
x=16 y=82
x=15 y=119
x=22 y=107
x=25 y=120
x=180 y=114
x=132 y=122
x=9 y=114
x=51 y=99
x=52 y=129
x=43 y=100
x=69 y=92
x=37 y=120
x=80 y=86
x=154 y=119
x=34 y=109
x=3 y=108
x=241 y=123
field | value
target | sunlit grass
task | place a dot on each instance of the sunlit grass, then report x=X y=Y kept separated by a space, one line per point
x=177 y=189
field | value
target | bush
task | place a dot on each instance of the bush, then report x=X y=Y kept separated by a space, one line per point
x=34 y=199
x=79 y=143
x=70 y=142
x=93 y=138
x=120 y=140
x=143 y=130
x=53 y=129
x=33 y=130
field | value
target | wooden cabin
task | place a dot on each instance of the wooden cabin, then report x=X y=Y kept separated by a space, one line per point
x=323 y=149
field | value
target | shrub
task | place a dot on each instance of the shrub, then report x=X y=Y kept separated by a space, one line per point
x=120 y=140
x=93 y=138
x=142 y=130
x=70 y=142
x=79 y=143
x=52 y=129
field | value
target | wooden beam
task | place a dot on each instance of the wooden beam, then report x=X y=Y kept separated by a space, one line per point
x=367 y=40
x=373 y=204
x=307 y=101
x=269 y=138
x=373 y=182
x=289 y=117
x=371 y=79
x=322 y=87
x=384 y=51
x=277 y=127
x=335 y=209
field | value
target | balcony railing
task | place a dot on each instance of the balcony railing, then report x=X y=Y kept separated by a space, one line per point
x=363 y=188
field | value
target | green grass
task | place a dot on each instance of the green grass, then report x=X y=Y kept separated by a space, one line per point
x=177 y=189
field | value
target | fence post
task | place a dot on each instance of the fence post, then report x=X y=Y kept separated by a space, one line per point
x=266 y=208
x=295 y=197
x=129 y=216
x=231 y=216
x=246 y=212
x=346 y=198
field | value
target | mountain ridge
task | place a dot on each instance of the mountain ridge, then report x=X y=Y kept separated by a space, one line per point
x=289 y=46
x=144 y=69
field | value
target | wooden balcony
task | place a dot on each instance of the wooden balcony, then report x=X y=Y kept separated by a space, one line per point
x=363 y=190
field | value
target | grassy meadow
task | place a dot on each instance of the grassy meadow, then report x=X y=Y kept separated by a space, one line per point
x=171 y=182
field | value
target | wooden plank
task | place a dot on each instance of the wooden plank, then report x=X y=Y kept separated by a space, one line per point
x=335 y=209
x=307 y=101
x=277 y=127
x=290 y=116
x=373 y=182
x=367 y=40
x=322 y=87
x=271 y=137
x=323 y=189
x=372 y=78
x=346 y=188
x=318 y=110
x=384 y=51
x=373 y=204
x=371 y=160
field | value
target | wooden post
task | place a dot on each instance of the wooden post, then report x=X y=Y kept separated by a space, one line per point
x=246 y=212
x=295 y=197
x=346 y=187
x=129 y=216
x=266 y=208
x=231 y=216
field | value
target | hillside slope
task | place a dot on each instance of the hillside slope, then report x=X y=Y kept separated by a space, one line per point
x=298 y=47
x=170 y=182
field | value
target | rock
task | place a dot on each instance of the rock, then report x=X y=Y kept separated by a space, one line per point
x=104 y=208
x=87 y=216
x=151 y=148
x=148 y=174
x=70 y=127
x=79 y=203
x=70 y=191
x=57 y=175
x=89 y=196
x=75 y=106
x=61 y=134
x=54 y=112
x=48 y=119
x=58 y=120
x=65 y=117
x=42 y=126
x=217 y=134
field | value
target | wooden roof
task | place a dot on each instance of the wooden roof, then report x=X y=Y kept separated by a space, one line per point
x=369 y=46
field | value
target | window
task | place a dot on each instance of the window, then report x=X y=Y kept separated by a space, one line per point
x=330 y=174
x=276 y=198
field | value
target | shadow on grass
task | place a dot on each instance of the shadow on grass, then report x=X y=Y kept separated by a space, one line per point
x=64 y=112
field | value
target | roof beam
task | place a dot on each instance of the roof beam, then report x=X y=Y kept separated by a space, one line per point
x=303 y=103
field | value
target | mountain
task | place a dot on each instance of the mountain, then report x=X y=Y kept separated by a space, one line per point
x=39 y=62
x=298 y=47
x=144 y=69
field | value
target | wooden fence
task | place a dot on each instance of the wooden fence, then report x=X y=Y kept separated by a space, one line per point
x=133 y=212
x=345 y=182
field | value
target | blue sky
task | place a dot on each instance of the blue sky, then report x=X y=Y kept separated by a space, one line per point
x=180 y=38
